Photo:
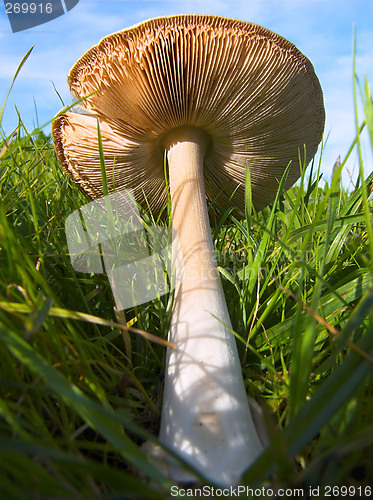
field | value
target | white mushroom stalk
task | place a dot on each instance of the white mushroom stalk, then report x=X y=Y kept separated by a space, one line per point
x=205 y=415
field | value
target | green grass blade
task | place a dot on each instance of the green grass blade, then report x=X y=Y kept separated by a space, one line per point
x=106 y=422
x=24 y=59
x=326 y=402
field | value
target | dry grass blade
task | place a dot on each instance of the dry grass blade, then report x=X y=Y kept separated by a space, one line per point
x=57 y=312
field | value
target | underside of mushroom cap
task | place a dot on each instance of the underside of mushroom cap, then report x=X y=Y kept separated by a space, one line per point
x=249 y=89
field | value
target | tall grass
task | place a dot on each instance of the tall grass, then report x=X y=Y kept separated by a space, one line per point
x=80 y=392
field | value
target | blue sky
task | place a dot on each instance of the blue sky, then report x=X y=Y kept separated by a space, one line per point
x=321 y=29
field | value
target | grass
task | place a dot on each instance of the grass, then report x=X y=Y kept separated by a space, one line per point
x=80 y=392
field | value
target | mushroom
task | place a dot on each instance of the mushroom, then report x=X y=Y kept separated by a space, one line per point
x=215 y=95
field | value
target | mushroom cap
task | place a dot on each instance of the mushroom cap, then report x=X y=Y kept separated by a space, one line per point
x=252 y=91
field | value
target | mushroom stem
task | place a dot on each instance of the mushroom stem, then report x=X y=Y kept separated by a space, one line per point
x=206 y=415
